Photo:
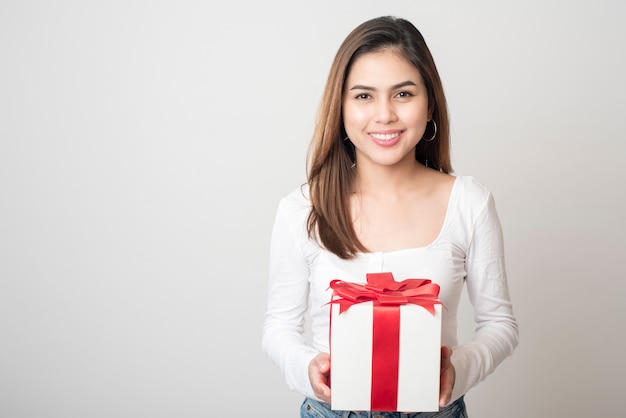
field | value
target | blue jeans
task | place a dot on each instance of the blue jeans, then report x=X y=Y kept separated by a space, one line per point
x=315 y=409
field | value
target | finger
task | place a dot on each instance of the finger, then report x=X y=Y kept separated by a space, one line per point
x=318 y=372
x=447 y=376
x=324 y=366
x=324 y=369
x=445 y=392
x=446 y=353
x=322 y=391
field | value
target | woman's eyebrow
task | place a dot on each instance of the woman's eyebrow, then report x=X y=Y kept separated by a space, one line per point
x=396 y=86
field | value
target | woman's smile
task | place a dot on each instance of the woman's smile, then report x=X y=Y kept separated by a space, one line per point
x=386 y=139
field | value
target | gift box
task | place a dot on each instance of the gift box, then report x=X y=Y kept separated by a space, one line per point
x=385 y=345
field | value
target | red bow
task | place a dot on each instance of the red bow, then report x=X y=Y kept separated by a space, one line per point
x=384 y=290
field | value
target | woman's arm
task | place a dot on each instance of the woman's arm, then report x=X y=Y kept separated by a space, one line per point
x=287 y=302
x=496 y=334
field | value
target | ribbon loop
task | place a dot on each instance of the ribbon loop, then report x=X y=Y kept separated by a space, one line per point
x=382 y=289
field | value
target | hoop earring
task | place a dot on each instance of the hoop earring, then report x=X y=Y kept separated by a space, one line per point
x=434 y=133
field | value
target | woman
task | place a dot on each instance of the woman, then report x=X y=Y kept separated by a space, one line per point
x=380 y=197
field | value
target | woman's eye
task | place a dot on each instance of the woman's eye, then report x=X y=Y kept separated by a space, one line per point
x=363 y=96
x=404 y=94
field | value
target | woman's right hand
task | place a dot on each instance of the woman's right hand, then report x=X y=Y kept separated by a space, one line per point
x=319 y=371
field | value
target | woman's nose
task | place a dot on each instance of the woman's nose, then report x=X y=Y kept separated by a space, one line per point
x=385 y=113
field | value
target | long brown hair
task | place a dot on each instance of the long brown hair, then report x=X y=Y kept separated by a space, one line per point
x=330 y=159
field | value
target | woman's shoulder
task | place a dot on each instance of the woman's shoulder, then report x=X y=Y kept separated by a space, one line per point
x=293 y=211
x=295 y=204
x=471 y=184
x=297 y=198
x=470 y=192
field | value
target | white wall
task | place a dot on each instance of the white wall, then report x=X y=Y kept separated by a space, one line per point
x=144 y=146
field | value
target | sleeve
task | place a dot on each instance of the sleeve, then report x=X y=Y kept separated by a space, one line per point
x=496 y=334
x=287 y=303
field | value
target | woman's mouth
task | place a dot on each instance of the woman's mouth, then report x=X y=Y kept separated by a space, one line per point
x=386 y=139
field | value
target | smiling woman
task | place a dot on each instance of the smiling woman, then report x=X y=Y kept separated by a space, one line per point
x=380 y=199
x=385 y=108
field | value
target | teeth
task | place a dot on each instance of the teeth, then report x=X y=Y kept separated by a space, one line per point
x=385 y=137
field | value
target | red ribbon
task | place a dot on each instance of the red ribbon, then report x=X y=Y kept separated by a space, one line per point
x=387 y=295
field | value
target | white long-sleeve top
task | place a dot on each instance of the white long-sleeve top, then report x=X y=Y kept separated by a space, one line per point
x=468 y=250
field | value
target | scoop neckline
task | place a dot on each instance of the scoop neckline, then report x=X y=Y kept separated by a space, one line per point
x=442 y=230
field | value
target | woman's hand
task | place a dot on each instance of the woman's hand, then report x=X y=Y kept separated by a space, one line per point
x=447 y=376
x=319 y=370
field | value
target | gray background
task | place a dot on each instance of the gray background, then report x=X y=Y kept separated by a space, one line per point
x=144 y=146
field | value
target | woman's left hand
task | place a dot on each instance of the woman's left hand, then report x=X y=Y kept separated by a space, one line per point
x=447 y=376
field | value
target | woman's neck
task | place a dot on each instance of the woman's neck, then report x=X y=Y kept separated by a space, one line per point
x=389 y=180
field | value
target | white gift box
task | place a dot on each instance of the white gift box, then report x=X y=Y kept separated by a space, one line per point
x=418 y=358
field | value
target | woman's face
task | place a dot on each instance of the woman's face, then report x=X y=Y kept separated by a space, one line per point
x=385 y=109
